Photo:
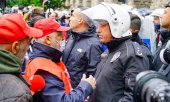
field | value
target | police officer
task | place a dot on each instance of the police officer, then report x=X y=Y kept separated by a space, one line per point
x=115 y=75
x=135 y=28
x=164 y=55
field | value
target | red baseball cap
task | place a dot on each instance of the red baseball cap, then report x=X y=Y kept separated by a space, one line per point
x=14 y=28
x=49 y=25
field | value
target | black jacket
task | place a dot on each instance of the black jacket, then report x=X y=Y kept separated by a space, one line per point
x=165 y=36
x=157 y=63
x=115 y=75
x=82 y=54
x=145 y=48
x=166 y=54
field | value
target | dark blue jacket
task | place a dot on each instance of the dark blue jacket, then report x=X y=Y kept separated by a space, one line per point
x=165 y=36
x=157 y=63
x=82 y=54
x=145 y=48
x=116 y=73
x=54 y=89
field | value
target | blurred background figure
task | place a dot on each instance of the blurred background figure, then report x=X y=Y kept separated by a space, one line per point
x=33 y=12
x=135 y=28
x=159 y=64
x=20 y=9
x=14 y=9
x=156 y=20
x=64 y=20
x=54 y=15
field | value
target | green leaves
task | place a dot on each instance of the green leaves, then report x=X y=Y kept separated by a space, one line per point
x=56 y=3
x=53 y=3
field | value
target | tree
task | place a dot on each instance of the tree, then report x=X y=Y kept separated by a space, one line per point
x=52 y=4
x=55 y=4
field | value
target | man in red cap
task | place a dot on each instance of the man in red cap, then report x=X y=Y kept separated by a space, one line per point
x=14 y=38
x=45 y=61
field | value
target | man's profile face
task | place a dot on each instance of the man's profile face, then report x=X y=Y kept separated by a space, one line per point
x=165 y=18
x=55 y=39
x=23 y=46
x=156 y=20
x=53 y=15
x=104 y=33
x=74 y=20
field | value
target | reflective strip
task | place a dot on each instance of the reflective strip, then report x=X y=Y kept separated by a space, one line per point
x=161 y=56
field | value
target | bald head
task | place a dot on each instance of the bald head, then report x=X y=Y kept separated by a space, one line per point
x=86 y=19
x=79 y=22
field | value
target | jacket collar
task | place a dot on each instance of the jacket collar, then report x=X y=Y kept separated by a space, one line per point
x=165 y=36
x=41 y=50
x=89 y=32
x=9 y=63
x=113 y=44
x=136 y=38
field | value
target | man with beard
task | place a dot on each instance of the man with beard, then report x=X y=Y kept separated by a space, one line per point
x=14 y=38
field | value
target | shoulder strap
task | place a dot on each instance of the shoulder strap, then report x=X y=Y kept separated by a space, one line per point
x=138 y=49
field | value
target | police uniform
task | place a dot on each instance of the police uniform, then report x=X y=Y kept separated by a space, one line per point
x=115 y=75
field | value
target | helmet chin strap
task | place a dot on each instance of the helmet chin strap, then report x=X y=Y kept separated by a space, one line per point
x=128 y=33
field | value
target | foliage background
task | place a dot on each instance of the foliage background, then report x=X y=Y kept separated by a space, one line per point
x=52 y=4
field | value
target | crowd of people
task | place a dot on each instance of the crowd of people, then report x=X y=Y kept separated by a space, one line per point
x=90 y=55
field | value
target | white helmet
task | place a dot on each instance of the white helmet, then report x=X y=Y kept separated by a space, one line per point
x=157 y=12
x=117 y=17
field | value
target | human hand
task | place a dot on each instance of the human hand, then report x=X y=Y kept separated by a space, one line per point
x=91 y=80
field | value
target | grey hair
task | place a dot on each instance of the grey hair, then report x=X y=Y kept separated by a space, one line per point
x=88 y=20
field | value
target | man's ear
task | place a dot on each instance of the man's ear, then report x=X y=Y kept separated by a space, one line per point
x=136 y=30
x=47 y=40
x=15 y=47
x=81 y=20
